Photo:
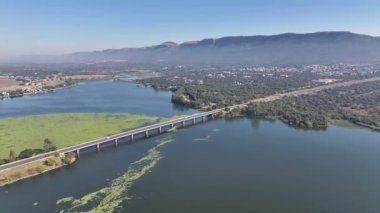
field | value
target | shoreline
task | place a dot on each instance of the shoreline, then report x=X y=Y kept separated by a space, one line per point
x=22 y=172
x=32 y=169
x=348 y=124
x=47 y=169
x=52 y=160
x=75 y=83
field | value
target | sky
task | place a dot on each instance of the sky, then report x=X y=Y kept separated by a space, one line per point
x=65 y=26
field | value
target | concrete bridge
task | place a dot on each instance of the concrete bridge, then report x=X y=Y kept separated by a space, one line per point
x=130 y=135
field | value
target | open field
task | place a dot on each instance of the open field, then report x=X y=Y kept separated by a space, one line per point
x=64 y=130
x=8 y=84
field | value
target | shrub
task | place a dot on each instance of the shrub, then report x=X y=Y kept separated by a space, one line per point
x=16 y=175
x=30 y=171
x=39 y=169
x=50 y=162
x=4 y=161
x=48 y=145
x=27 y=153
x=69 y=157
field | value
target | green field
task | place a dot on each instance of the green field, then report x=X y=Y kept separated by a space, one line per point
x=63 y=129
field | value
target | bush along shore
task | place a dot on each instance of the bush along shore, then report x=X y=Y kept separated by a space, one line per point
x=357 y=104
x=21 y=172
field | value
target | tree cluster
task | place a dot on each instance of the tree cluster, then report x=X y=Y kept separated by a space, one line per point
x=48 y=146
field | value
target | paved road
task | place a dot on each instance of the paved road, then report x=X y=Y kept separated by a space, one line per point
x=306 y=91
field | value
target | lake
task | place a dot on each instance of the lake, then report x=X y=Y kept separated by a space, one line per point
x=95 y=96
x=226 y=165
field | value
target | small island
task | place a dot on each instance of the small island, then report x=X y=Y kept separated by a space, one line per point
x=45 y=133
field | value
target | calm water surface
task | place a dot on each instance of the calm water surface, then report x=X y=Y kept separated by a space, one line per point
x=95 y=96
x=240 y=165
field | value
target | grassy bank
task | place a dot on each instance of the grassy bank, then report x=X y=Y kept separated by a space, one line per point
x=64 y=130
x=33 y=169
x=345 y=124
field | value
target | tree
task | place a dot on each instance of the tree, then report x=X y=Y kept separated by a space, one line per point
x=50 y=162
x=27 y=153
x=39 y=169
x=69 y=158
x=3 y=161
x=48 y=145
x=12 y=155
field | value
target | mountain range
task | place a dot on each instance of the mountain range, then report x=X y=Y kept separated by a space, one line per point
x=282 y=49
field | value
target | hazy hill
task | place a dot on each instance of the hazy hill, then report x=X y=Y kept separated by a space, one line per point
x=289 y=48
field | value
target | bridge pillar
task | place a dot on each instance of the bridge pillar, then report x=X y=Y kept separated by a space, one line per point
x=193 y=121
x=160 y=130
x=132 y=138
x=116 y=142
x=171 y=125
x=146 y=133
x=98 y=147
x=213 y=116
x=77 y=153
x=203 y=119
x=183 y=124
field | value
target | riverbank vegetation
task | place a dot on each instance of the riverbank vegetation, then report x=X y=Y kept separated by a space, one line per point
x=27 y=133
x=23 y=137
x=48 y=146
x=35 y=168
x=201 y=87
x=358 y=104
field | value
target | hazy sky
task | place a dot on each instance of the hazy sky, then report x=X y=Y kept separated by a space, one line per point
x=62 y=26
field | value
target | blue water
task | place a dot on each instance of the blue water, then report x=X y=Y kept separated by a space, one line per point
x=95 y=96
x=239 y=165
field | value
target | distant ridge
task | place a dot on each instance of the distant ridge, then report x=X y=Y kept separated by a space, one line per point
x=323 y=37
x=287 y=48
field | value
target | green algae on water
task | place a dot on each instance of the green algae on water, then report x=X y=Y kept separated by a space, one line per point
x=173 y=129
x=164 y=141
x=206 y=138
x=65 y=200
x=216 y=130
x=109 y=199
